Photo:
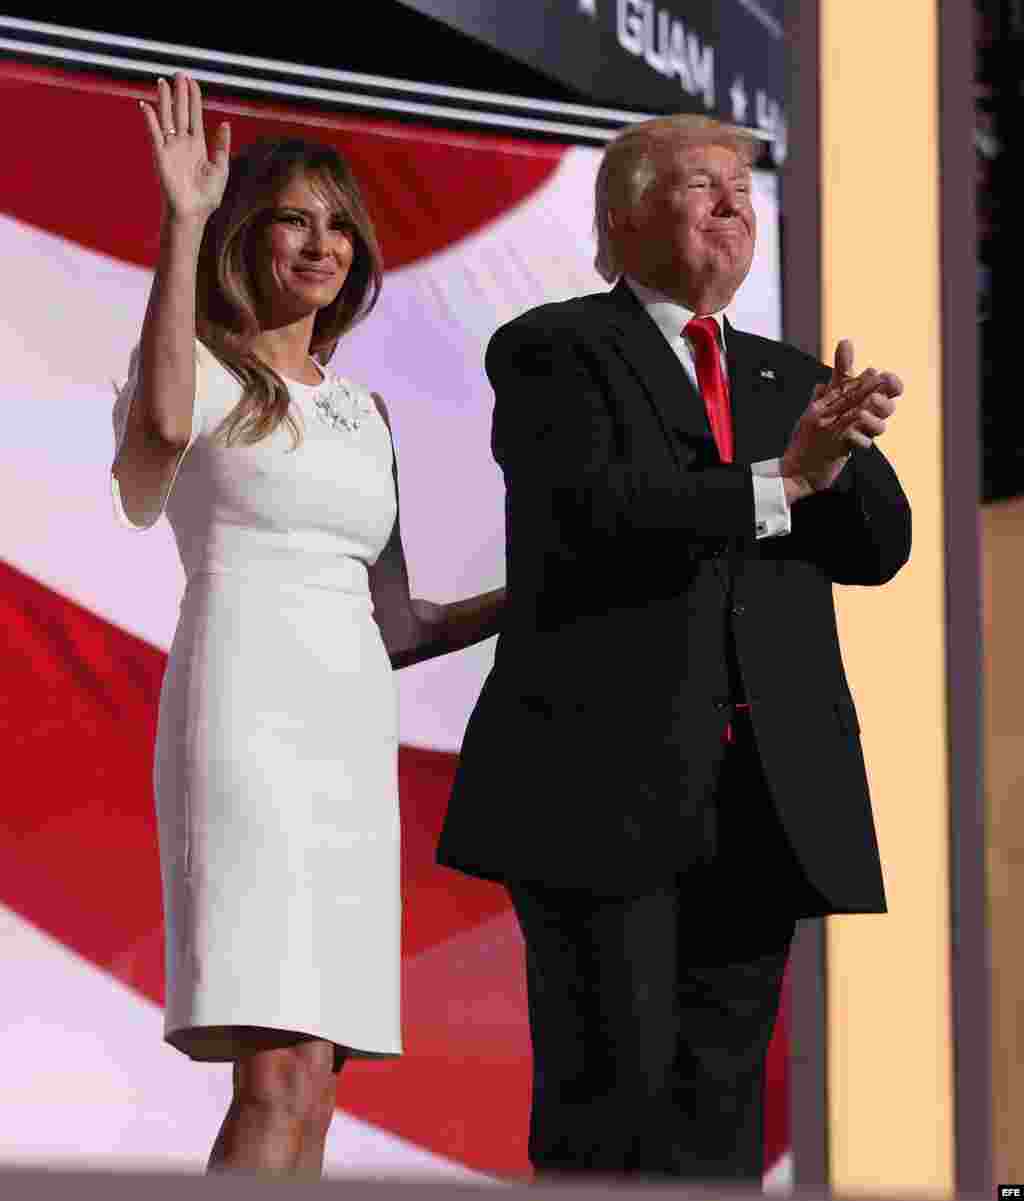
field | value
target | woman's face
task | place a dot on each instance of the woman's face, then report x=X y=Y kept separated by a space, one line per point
x=307 y=246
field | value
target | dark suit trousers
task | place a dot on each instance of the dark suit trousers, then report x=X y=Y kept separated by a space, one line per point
x=651 y=1015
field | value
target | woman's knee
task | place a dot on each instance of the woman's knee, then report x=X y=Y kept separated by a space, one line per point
x=322 y=1112
x=290 y=1084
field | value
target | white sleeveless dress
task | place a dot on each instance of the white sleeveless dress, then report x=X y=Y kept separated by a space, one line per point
x=275 y=770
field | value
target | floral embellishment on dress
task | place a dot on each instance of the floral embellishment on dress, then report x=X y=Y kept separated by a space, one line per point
x=338 y=406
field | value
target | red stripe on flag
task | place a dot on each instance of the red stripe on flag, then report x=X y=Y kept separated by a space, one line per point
x=100 y=190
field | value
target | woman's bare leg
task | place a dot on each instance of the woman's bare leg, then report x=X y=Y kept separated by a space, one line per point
x=310 y=1163
x=278 y=1101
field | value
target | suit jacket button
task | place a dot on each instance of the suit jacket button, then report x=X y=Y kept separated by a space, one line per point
x=720 y=704
x=738 y=610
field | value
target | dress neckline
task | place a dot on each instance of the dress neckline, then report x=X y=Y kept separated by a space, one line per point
x=301 y=384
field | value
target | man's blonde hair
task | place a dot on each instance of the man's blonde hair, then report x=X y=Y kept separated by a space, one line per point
x=629 y=167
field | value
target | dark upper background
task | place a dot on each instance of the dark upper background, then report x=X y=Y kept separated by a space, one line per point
x=584 y=51
x=377 y=37
x=999 y=122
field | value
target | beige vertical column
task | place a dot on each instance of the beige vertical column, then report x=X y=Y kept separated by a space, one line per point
x=1003 y=576
x=890 y=1074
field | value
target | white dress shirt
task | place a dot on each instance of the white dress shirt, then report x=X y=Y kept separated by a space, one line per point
x=771 y=510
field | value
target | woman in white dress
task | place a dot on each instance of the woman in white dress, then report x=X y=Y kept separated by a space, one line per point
x=276 y=756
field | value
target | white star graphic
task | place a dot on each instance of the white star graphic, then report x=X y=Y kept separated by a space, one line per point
x=738 y=96
x=589 y=7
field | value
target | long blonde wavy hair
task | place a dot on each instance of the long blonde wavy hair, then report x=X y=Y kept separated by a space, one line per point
x=226 y=296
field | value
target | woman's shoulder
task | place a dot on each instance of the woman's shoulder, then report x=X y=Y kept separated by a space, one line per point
x=218 y=388
x=212 y=371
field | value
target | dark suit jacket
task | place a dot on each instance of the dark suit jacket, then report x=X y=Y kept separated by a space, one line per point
x=641 y=605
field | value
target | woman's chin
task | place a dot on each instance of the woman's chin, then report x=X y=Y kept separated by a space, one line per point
x=298 y=303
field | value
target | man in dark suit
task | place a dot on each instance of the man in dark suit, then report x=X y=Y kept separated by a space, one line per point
x=664 y=765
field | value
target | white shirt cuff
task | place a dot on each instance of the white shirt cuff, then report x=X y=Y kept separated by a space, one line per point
x=771 y=510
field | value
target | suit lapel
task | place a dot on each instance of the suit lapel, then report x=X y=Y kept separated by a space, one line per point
x=757 y=395
x=762 y=411
x=635 y=337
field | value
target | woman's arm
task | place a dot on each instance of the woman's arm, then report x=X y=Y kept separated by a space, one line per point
x=159 y=422
x=452 y=627
x=415 y=630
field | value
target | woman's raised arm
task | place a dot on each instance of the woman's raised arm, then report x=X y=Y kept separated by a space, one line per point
x=159 y=419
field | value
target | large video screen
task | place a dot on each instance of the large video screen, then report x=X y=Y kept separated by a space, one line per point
x=475 y=228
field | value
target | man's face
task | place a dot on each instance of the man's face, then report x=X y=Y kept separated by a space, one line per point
x=693 y=230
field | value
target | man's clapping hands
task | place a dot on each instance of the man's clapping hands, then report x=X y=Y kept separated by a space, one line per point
x=847 y=411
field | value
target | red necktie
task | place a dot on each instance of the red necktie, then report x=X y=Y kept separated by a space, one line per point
x=703 y=335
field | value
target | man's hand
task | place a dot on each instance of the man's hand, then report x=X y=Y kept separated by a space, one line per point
x=848 y=411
